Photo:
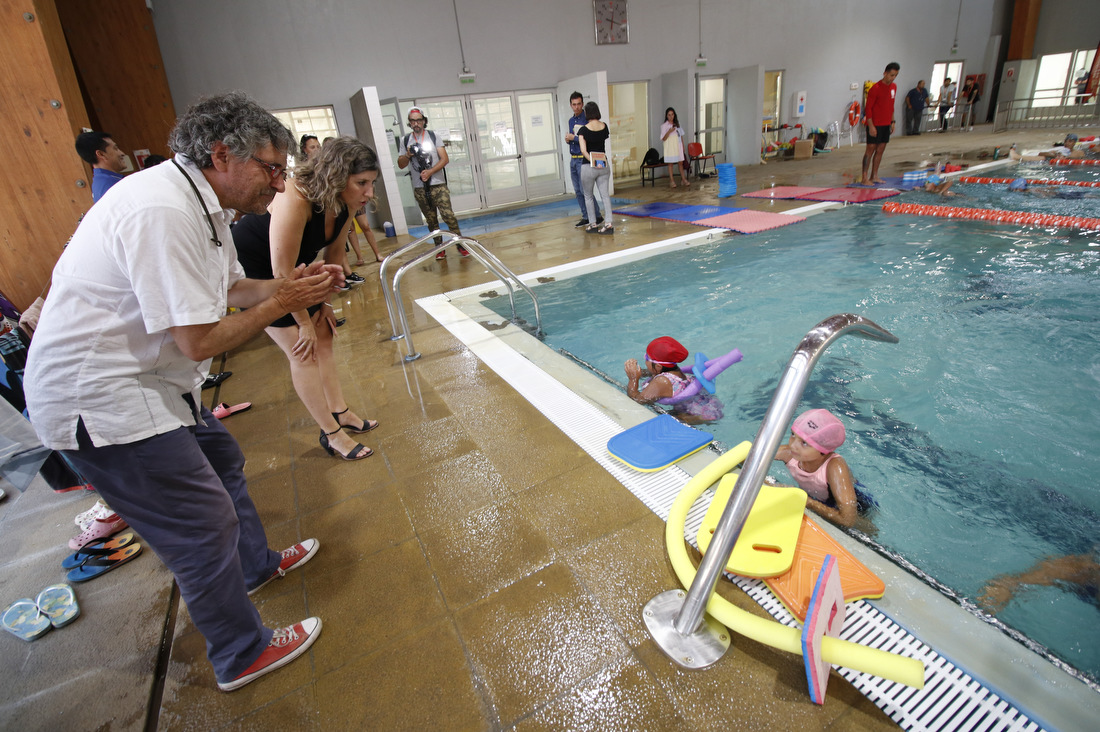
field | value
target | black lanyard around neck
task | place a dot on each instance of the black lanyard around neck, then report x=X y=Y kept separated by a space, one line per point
x=213 y=233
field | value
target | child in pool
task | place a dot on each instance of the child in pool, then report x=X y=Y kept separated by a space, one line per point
x=667 y=380
x=938 y=184
x=813 y=463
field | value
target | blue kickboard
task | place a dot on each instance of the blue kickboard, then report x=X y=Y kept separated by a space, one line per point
x=691 y=214
x=657 y=443
x=647 y=209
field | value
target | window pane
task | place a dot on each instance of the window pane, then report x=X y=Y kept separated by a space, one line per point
x=1051 y=81
x=318 y=121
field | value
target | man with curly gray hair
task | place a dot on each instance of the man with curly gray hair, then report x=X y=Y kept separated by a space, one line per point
x=137 y=311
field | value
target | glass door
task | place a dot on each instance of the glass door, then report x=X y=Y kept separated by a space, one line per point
x=502 y=148
x=501 y=175
x=541 y=162
x=711 y=116
x=395 y=128
x=447 y=118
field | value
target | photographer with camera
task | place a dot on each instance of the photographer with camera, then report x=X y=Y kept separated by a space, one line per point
x=426 y=157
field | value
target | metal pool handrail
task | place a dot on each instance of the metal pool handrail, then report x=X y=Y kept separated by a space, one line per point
x=392 y=256
x=755 y=468
x=479 y=252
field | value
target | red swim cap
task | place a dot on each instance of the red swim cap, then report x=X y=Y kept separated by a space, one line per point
x=666 y=351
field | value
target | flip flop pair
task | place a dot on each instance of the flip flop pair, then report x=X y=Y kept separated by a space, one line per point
x=223 y=410
x=55 y=607
x=100 y=557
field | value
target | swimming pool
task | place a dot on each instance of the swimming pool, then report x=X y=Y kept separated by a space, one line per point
x=975 y=433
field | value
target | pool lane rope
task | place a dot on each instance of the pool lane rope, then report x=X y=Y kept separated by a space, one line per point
x=898 y=668
x=985 y=214
x=1033 y=181
x=1074 y=161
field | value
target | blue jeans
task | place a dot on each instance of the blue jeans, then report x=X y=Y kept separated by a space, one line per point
x=575 y=165
x=184 y=493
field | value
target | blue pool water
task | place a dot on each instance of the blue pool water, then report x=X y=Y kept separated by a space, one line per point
x=977 y=433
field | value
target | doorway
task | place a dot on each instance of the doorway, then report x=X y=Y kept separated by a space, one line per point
x=711 y=115
x=502 y=148
x=946 y=70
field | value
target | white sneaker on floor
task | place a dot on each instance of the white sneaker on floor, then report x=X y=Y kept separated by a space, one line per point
x=286 y=645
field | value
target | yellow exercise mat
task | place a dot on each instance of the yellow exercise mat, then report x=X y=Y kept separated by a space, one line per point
x=795 y=587
x=766 y=547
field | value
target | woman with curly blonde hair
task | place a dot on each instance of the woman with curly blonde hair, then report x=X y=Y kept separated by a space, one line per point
x=310 y=216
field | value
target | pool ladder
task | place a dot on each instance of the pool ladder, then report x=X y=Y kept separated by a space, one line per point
x=400 y=324
x=675 y=621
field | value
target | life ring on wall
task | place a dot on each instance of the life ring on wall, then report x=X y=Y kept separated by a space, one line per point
x=853 y=114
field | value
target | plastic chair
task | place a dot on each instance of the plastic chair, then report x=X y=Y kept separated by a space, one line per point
x=695 y=154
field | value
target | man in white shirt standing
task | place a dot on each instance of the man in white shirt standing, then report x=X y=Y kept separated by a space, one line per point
x=946 y=101
x=136 y=312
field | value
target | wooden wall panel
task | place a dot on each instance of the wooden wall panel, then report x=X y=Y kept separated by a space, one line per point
x=115 y=51
x=41 y=196
x=1025 y=23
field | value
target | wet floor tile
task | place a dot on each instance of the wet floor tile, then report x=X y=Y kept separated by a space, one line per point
x=537 y=638
x=370 y=603
x=419 y=682
x=621 y=696
x=483 y=552
x=447 y=491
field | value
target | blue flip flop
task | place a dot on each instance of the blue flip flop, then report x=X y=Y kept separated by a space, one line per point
x=96 y=565
x=100 y=547
x=58 y=603
x=24 y=620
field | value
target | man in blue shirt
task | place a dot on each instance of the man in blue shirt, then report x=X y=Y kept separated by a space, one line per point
x=107 y=160
x=576 y=160
x=915 y=102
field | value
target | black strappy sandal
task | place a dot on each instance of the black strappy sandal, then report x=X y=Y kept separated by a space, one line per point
x=365 y=427
x=357 y=453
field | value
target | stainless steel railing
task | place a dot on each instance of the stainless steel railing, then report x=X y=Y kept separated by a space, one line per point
x=787 y=395
x=399 y=321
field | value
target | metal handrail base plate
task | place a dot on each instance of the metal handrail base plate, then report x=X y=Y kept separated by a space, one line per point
x=703 y=648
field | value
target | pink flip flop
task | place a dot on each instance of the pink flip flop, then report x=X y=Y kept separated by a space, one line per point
x=223 y=410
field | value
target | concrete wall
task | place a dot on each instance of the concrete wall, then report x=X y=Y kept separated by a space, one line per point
x=289 y=53
x=1067 y=25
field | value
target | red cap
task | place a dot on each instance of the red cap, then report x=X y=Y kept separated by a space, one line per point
x=666 y=351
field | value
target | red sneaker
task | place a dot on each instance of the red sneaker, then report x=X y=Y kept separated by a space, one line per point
x=293 y=558
x=462 y=250
x=442 y=254
x=286 y=645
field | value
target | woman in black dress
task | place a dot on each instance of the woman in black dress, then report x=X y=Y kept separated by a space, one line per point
x=309 y=217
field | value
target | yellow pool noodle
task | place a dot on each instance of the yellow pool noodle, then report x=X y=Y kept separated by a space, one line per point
x=908 y=671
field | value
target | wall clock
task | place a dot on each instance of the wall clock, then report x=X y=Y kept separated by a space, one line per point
x=610 y=20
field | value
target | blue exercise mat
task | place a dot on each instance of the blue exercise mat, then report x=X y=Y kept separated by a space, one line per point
x=657 y=443
x=647 y=209
x=691 y=214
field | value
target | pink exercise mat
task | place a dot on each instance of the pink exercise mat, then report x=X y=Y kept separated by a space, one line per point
x=850 y=195
x=784 y=192
x=750 y=222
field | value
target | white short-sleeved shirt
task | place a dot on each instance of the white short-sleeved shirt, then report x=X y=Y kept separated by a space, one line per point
x=141 y=262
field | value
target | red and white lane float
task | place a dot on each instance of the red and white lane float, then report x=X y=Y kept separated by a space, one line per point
x=1032 y=181
x=1003 y=217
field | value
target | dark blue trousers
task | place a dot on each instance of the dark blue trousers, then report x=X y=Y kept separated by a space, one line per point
x=185 y=494
x=575 y=165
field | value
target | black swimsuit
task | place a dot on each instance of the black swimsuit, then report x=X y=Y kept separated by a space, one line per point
x=251 y=235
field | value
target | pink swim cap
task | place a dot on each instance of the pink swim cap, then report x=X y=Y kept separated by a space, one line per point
x=820 y=429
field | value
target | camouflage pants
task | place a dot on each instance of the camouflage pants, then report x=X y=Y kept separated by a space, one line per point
x=430 y=198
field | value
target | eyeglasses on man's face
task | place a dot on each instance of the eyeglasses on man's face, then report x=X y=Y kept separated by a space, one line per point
x=273 y=170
